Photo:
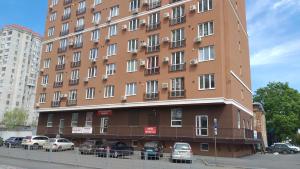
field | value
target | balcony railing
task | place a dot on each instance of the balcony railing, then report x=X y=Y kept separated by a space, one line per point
x=71 y=102
x=177 y=94
x=66 y=16
x=63 y=33
x=73 y=82
x=57 y=84
x=67 y=2
x=55 y=103
x=80 y=11
x=60 y=67
x=177 y=20
x=152 y=71
x=177 y=67
x=173 y=1
x=77 y=45
x=154 y=5
x=178 y=44
x=79 y=28
x=151 y=49
x=75 y=64
x=151 y=96
x=62 y=49
x=152 y=27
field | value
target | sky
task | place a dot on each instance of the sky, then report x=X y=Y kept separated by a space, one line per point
x=273 y=29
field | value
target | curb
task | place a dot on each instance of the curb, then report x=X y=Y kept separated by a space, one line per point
x=218 y=165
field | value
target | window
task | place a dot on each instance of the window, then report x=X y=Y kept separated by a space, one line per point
x=54 y=2
x=133 y=24
x=52 y=16
x=177 y=61
x=76 y=56
x=112 y=49
x=154 y=4
x=206 y=53
x=93 y=53
x=154 y=21
x=67 y=12
x=56 y=96
x=89 y=119
x=131 y=66
x=110 y=69
x=50 y=120
x=178 y=38
x=206 y=29
x=205 y=5
x=45 y=79
x=152 y=62
x=134 y=5
x=61 y=60
x=177 y=87
x=49 y=47
x=239 y=119
x=130 y=89
x=153 y=43
x=72 y=95
x=81 y=6
x=59 y=77
x=104 y=124
x=75 y=74
x=178 y=15
x=204 y=146
x=47 y=63
x=114 y=11
x=109 y=91
x=176 y=117
x=51 y=31
x=112 y=30
x=152 y=87
x=65 y=28
x=42 y=98
x=63 y=43
x=90 y=93
x=96 y=18
x=97 y=2
x=95 y=35
x=78 y=41
x=74 y=122
x=133 y=45
x=207 y=81
x=202 y=125
x=80 y=23
x=92 y=72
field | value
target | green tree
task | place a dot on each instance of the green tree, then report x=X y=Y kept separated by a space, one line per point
x=14 y=118
x=282 y=107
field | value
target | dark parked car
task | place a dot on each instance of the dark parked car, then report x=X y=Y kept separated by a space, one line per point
x=89 y=146
x=115 y=149
x=281 y=148
x=13 y=142
x=1 y=141
x=152 y=149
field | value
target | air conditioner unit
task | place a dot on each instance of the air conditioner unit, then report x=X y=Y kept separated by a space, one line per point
x=108 y=19
x=93 y=60
x=166 y=15
x=124 y=27
x=42 y=70
x=134 y=52
x=44 y=86
x=194 y=62
x=193 y=8
x=71 y=42
x=166 y=59
x=95 y=40
x=63 y=95
x=142 y=62
x=135 y=11
x=105 y=58
x=164 y=85
x=96 y=23
x=51 y=7
x=143 y=44
x=92 y=7
x=142 y=22
x=165 y=39
x=123 y=98
x=197 y=39
x=86 y=80
x=145 y=3
x=104 y=77
x=37 y=105
x=107 y=38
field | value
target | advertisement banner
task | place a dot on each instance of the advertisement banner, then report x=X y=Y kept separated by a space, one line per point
x=82 y=130
x=150 y=130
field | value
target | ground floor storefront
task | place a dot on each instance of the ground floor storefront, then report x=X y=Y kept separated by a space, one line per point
x=194 y=124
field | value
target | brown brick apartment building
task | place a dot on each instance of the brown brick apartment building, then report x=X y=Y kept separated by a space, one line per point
x=139 y=70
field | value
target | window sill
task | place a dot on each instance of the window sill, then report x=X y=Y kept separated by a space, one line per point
x=207 y=89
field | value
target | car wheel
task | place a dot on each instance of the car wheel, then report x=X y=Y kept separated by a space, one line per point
x=59 y=148
x=116 y=154
x=72 y=147
x=35 y=146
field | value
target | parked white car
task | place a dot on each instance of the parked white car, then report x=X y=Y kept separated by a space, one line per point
x=58 y=144
x=297 y=149
x=34 y=142
x=181 y=152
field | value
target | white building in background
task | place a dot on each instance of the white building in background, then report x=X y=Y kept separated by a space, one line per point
x=20 y=50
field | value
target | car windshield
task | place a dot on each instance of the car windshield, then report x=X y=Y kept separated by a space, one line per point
x=182 y=147
x=11 y=138
x=52 y=140
x=151 y=144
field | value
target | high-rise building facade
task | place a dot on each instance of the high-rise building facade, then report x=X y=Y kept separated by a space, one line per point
x=138 y=70
x=20 y=50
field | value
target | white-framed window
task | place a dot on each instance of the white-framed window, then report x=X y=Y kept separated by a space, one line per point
x=89 y=119
x=114 y=11
x=154 y=3
x=56 y=96
x=72 y=95
x=92 y=72
x=177 y=84
x=96 y=18
x=206 y=29
x=178 y=12
x=133 y=45
x=154 y=19
x=93 y=53
x=206 y=53
x=54 y=2
x=59 y=77
x=51 y=31
x=133 y=24
x=204 y=147
x=152 y=87
x=49 y=47
x=176 y=117
x=78 y=39
x=132 y=65
x=205 y=5
x=152 y=62
x=42 y=98
x=97 y=2
x=47 y=63
x=238 y=119
x=81 y=6
x=45 y=79
x=50 y=120
x=177 y=58
x=109 y=91
x=153 y=40
x=75 y=74
x=90 y=93
x=112 y=30
x=110 y=69
x=112 y=49
x=207 y=81
x=104 y=124
x=61 y=60
x=76 y=56
x=74 y=122
x=95 y=35
x=65 y=27
x=67 y=11
x=80 y=22
x=202 y=125
x=52 y=16
x=131 y=89
x=63 y=43
x=134 y=5
x=178 y=35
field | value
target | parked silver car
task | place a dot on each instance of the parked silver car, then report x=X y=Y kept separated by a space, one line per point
x=181 y=152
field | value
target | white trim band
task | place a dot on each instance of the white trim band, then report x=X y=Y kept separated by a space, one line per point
x=238 y=18
x=234 y=75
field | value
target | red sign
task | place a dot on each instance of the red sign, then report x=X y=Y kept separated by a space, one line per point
x=150 y=130
x=104 y=113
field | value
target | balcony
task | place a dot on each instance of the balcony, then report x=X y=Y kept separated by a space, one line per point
x=177 y=94
x=77 y=45
x=80 y=11
x=62 y=49
x=154 y=5
x=177 y=44
x=153 y=27
x=60 y=67
x=55 y=103
x=151 y=96
x=151 y=49
x=177 y=20
x=75 y=64
x=67 y=2
x=71 y=102
x=66 y=17
x=152 y=71
x=79 y=28
x=73 y=82
x=173 y=1
x=57 y=84
x=177 y=67
x=63 y=33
